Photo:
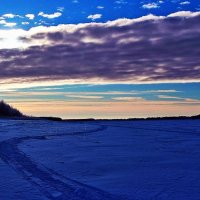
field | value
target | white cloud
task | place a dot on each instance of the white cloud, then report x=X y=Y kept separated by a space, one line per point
x=128 y=98
x=185 y=3
x=50 y=16
x=179 y=98
x=121 y=2
x=161 y=91
x=61 y=9
x=94 y=17
x=192 y=100
x=10 y=15
x=184 y=14
x=125 y=21
x=72 y=28
x=150 y=6
x=25 y=23
x=100 y=7
x=84 y=97
x=7 y=24
x=30 y=16
x=170 y=97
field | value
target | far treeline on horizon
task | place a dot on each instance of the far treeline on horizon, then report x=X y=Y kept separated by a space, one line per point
x=116 y=59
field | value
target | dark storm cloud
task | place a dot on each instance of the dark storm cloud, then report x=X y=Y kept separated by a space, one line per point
x=145 y=50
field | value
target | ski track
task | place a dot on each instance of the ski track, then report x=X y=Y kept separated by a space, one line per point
x=51 y=184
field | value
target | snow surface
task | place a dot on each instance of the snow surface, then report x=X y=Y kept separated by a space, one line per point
x=101 y=160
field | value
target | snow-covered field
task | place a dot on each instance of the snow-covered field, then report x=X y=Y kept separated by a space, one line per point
x=133 y=160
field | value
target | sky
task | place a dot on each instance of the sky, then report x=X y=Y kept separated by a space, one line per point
x=101 y=59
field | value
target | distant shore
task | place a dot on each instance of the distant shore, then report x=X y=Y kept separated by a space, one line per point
x=139 y=119
x=196 y=117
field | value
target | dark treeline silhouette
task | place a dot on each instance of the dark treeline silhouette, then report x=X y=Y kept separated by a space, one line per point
x=157 y=118
x=77 y=120
x=138 y=119
x=168 y=118
x=8 y=111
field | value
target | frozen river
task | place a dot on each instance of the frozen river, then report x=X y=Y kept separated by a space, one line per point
x=140 y=160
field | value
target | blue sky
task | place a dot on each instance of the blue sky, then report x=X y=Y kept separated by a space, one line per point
x=77 y=11
x=101 y=59
x=157 y=92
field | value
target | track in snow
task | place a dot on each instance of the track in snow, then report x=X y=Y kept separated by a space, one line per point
x=51 y=184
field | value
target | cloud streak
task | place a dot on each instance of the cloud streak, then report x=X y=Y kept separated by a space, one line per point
x=30 y=16
x=50 y=16
x=150 y=6
x=94 y=17
x=7 y=24
x=147 y=49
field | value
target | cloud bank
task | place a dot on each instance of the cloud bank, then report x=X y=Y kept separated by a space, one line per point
x=147 y=49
